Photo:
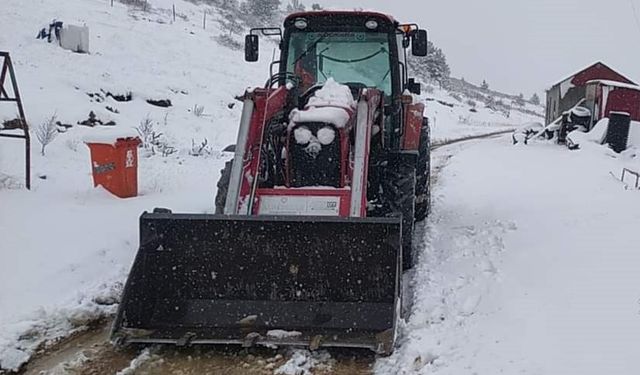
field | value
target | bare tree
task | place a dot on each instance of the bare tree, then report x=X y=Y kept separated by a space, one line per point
x=47 y=132
x=295 y=6
x=535 y=99
x=198 y=110
x=152 y=140
x=201 y=149
x=260 y=12
x=432 y=68
x=147 y=132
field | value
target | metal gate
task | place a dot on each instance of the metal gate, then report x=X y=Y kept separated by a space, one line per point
x=10 y=93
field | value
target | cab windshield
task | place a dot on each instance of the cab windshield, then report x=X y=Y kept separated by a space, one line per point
x=354 y=58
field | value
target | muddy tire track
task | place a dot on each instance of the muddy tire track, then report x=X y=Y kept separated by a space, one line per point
x=92 y=354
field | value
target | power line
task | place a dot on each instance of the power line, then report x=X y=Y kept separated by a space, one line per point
x=635 y=14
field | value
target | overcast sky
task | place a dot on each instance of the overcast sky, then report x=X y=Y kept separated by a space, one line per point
x=523 y=45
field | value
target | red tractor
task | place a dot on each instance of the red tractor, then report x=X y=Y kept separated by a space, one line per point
x=315 y=213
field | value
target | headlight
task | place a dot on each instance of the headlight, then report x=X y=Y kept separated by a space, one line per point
x=302 y=135
x=326 y=135
x=300 y=23
x=371 y=24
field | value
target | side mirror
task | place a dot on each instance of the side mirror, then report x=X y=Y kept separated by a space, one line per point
x=419 y=43
x=413 y=86
x=251 y=47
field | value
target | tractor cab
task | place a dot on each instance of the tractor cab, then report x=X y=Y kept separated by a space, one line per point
x=358 y=49
x=364 y=51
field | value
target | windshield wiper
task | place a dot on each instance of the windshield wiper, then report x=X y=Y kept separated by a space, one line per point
x=312 y=46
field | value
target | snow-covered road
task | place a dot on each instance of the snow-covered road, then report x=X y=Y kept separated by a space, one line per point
x=531 y=266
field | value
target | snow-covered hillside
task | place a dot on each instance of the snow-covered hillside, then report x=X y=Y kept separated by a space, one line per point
x=453 y=116
x=65 y=247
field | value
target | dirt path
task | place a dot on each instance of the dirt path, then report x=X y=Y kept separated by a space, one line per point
x=448 y=142
x=91 y=353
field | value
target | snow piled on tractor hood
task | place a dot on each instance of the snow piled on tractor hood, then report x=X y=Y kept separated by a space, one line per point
x=332 y=115
x=333 y=94
x=331 y=104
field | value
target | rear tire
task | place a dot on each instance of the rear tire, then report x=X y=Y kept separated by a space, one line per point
x=423 y=174
x=223 y=187
x=399 y=189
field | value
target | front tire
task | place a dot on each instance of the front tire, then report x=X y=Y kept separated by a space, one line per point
x=399 y=189
x=223 y=187
x=423 y=174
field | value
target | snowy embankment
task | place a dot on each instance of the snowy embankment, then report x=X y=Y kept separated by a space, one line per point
x=451 y=117
x=531 y=265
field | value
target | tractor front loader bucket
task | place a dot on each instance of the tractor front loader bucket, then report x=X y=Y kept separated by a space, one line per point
x=265 y=280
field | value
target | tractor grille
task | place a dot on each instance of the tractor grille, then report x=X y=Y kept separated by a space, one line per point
x=313 y=160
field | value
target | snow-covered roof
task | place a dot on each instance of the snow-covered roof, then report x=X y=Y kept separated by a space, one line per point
x=570 y=77
x=614 y=84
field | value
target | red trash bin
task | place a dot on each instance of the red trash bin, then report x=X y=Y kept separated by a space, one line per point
x=115 y=165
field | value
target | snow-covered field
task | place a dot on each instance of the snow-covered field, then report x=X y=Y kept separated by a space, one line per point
x=531 y=265
x=65 y=247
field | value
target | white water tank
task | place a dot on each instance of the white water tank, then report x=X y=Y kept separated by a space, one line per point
x=75 y=38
